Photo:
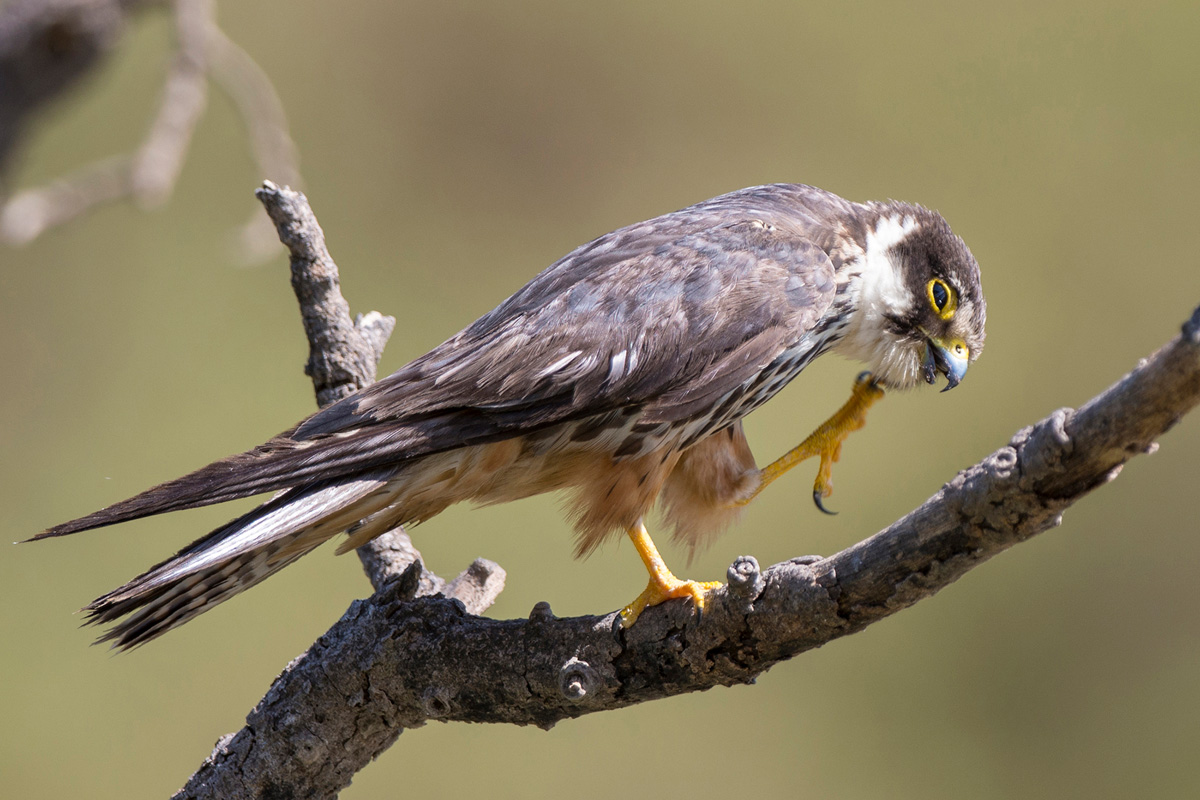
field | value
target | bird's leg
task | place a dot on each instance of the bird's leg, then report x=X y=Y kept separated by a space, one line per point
x=663 y=585
x=825 y=441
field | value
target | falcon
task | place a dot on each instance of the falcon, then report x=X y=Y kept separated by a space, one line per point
x=619 y=375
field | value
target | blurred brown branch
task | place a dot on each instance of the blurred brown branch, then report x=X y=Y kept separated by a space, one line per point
x=403 y=657
x=46 y=46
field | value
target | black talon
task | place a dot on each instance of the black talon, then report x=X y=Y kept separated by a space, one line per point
x=820 y=505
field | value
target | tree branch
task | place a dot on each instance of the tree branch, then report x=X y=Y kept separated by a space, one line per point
x=400 y=659
x=343 y=353
x=46 y=46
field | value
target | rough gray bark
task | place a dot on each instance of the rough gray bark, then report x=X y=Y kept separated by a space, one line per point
x=343 y=354
x=403 y=657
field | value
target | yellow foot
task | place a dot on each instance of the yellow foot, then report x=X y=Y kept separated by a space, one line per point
x=663 y=585
x=825 y=441
x=656 y=592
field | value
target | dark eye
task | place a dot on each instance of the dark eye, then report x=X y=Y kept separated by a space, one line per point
x=942 y=298
x=940 y=295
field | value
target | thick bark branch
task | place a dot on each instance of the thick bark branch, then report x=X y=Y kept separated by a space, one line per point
x=399 y=659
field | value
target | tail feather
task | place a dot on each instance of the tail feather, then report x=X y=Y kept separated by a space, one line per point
x=300 y=457
x=278 y=464
x=170 y=606
x=256 y=471
x=233 y=558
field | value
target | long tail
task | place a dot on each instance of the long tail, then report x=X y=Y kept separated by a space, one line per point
x=267 y=468
x=235 y=557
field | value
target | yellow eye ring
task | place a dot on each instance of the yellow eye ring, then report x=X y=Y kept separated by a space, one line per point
x=942 y=298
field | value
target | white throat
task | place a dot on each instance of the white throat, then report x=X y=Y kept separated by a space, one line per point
x=881 y=292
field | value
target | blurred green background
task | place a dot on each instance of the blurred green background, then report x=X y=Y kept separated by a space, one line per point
x=451 y=151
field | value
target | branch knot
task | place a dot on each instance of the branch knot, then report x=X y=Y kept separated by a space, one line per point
x=745 y=579
x=576 y=679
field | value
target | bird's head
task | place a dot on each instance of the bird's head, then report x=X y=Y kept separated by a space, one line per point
x=919 y=308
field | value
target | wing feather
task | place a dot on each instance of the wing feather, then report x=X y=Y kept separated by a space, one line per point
x=666 y=316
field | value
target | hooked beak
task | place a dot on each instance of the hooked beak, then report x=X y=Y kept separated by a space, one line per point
x=949 y=358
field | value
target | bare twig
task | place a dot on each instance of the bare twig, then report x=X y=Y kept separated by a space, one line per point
x=343 y=353
x=397 y=660
x=24 y=217
x=147 y=176
x=159 y=160
x=266 y=124
x=46 y=47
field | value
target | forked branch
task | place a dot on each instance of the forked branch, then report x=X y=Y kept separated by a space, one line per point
x=47 y=46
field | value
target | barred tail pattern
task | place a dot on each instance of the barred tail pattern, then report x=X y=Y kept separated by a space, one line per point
x=233 y=558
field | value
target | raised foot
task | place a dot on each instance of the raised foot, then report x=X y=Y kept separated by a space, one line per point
x=825 y=443
x=828 y=438
x=667 y=588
